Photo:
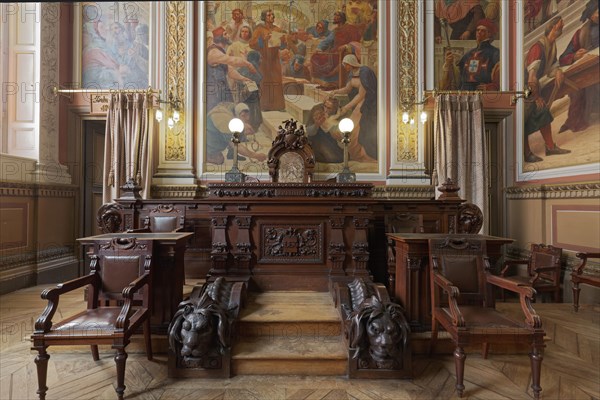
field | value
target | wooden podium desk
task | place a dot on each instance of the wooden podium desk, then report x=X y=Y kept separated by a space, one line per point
x=167 y=269
x=411 y=287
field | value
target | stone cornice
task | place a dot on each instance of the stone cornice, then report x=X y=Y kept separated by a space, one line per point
x=16 y=189
x=403 y=192
x=558 y=191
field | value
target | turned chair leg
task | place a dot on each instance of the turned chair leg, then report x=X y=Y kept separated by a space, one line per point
x=148 y=339
x=120 y=359
x=434 y=335
x=95 y=354
x=536 y=358
x=576 y=291
x=459 y=362
x=41 y=362
x=485 y=350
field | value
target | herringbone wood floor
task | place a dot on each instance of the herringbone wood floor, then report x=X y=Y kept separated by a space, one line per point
x=570 y=370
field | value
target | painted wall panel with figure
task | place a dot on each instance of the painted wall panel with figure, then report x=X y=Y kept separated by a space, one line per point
x=114 y=45
x=316 y=62
x=561 y=119
x=467 y=44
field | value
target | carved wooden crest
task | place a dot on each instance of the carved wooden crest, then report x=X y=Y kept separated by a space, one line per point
x=291 y=158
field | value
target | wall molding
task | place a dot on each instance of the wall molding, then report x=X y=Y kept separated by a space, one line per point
x=404 y=192
x=558 y=191
x=30 y=258
x=14 y=189
x=178 y=191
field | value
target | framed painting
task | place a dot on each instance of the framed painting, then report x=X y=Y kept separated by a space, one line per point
x=314 y=61
x=467 y=44
x=560 y=63
x=113 y=49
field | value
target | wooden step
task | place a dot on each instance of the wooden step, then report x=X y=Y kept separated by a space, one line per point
x=290 y=315
x=305 y=356
x=289 y=333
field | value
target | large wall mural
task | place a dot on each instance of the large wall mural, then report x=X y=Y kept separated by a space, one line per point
x=316 y=62
x=560 y=53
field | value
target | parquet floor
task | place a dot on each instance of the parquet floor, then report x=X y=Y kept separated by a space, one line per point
x=570 y=370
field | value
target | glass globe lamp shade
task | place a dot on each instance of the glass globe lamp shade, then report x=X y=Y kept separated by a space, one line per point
x=176 y=116
x=236 y=125
x=170 y=123
x=346 y=125
x=405 y=117
x=158 y=115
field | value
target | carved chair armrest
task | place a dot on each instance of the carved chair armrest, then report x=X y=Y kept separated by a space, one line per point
x=509 y=263
x=453 y=294
x=44 y=322
x=584 y=257
x=536 y=272
x=122 y=322
x=526 y=295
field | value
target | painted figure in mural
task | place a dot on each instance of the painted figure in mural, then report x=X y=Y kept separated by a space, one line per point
x=479 y=68
x=358 y=11
x=114 y=60
x=268 y=39
x=585 y=39
x=320 y=30
x=343 y=39
x=362 y=91
x=541 y=62
x=235 y=25
x=250 y=94
x=240 y=48
x=324 y=134
x=296 y=68
x=218 y=136
x=461 y=15
x=220 y=67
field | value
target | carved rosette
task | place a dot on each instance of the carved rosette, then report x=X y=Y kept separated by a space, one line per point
x=109 y=218
x=407 y=78
x=175 y=147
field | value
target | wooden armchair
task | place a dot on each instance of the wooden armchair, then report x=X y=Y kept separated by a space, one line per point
x=118 y=303
x=578 y=277
x=543 y=270
x=461 y=270
x=163 y=218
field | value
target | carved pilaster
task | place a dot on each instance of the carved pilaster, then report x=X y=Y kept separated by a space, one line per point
x=336 y=247
x=175 y=156
x=407 y=78
x=360 y=248
x=242 y=253
x=219 y=252
x=48 y=169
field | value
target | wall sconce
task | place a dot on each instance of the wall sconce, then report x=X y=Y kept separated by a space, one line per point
x=521 y=95
x=236 y=126
x=346 y=126
x=407 y=118
x=173 y=105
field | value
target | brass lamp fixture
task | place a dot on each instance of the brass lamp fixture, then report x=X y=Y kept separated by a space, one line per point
x=236 y=126
x=407 y=117
x=346 y=126
x=173 y=106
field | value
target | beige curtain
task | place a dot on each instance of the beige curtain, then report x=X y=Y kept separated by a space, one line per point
x=460 y=148
x=129 y=129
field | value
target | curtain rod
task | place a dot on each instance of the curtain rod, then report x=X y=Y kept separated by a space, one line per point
x=517 y=94
x=58 y=91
